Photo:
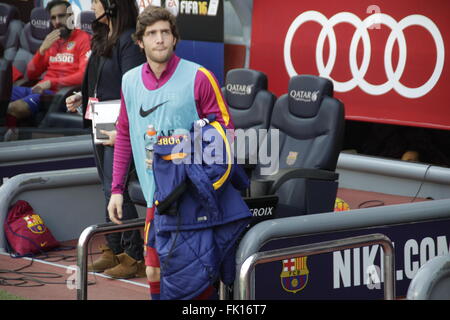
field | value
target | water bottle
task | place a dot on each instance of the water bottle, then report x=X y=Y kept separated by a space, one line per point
x=151 y=139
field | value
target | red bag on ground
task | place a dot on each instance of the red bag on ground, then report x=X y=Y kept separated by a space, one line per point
x=26 y=232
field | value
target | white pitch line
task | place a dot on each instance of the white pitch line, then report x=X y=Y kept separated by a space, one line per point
x=71 y=268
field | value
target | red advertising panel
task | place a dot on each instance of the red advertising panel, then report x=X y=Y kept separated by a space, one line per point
x=389 y=61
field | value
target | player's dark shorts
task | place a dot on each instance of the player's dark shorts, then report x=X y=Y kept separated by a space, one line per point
x=32 y=99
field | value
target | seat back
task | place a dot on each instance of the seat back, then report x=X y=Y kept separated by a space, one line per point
x=250 y=105
x=85 y=21
x=311 y=130
x=31 y=38
x=5 y=87
x=10 y=30
x=248 y=99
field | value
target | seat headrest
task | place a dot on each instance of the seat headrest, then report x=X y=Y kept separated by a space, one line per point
x=241 y=86
x=86 y=18
x=40 y=23
x=7 y=13
x=305 y=94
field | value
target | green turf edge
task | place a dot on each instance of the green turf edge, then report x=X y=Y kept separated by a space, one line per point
x=7 y=296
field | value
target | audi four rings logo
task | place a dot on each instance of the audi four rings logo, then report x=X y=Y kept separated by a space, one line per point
x=361 y=32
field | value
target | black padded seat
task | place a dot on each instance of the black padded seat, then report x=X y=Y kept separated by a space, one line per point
x=85 y=21
x=32 y=37
x=5 y=87
x=310 y=123
x=250 y=104
x=10 y=29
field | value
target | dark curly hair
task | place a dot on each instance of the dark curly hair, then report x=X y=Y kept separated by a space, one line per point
x=149 y=16
x=55 y=3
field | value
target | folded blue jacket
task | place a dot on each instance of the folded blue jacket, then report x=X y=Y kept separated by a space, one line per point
x=200 y=212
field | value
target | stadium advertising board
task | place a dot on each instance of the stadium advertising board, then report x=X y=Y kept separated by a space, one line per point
x=197 y=20
x=388 y=61
x=356 y=273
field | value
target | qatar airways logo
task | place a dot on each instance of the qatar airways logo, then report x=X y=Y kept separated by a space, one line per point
x=40 y=24
x=240 y=89
x=62 y=58
x=87 y=27
x=304 y=96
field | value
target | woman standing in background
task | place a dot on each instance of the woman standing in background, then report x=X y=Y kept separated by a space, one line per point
x=113 y=54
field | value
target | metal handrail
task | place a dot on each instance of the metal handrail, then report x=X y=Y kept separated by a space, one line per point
x=431 y=280
x=246 y=291
x=83 y=243
x=247 y=267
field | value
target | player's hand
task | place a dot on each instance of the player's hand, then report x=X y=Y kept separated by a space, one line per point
x=111 y=137
x=73 y=102
x=115 y=208
x=41 y=86
x=49 y=40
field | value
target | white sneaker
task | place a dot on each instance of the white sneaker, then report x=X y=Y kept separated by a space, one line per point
x=12 y=134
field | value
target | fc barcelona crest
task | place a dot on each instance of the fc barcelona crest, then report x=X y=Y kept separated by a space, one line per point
x=35 y=223
x=291 y=158
x=294 y=275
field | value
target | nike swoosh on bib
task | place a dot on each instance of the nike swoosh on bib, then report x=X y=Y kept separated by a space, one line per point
x=147 y=112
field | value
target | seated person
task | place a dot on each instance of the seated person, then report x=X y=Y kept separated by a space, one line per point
x=63 y=55
x=407 y=143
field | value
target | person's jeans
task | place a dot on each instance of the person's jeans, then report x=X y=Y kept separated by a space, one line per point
x=129 y=242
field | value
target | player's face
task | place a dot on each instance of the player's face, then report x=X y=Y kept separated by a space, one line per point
x=158 y=42
x=59 y=15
